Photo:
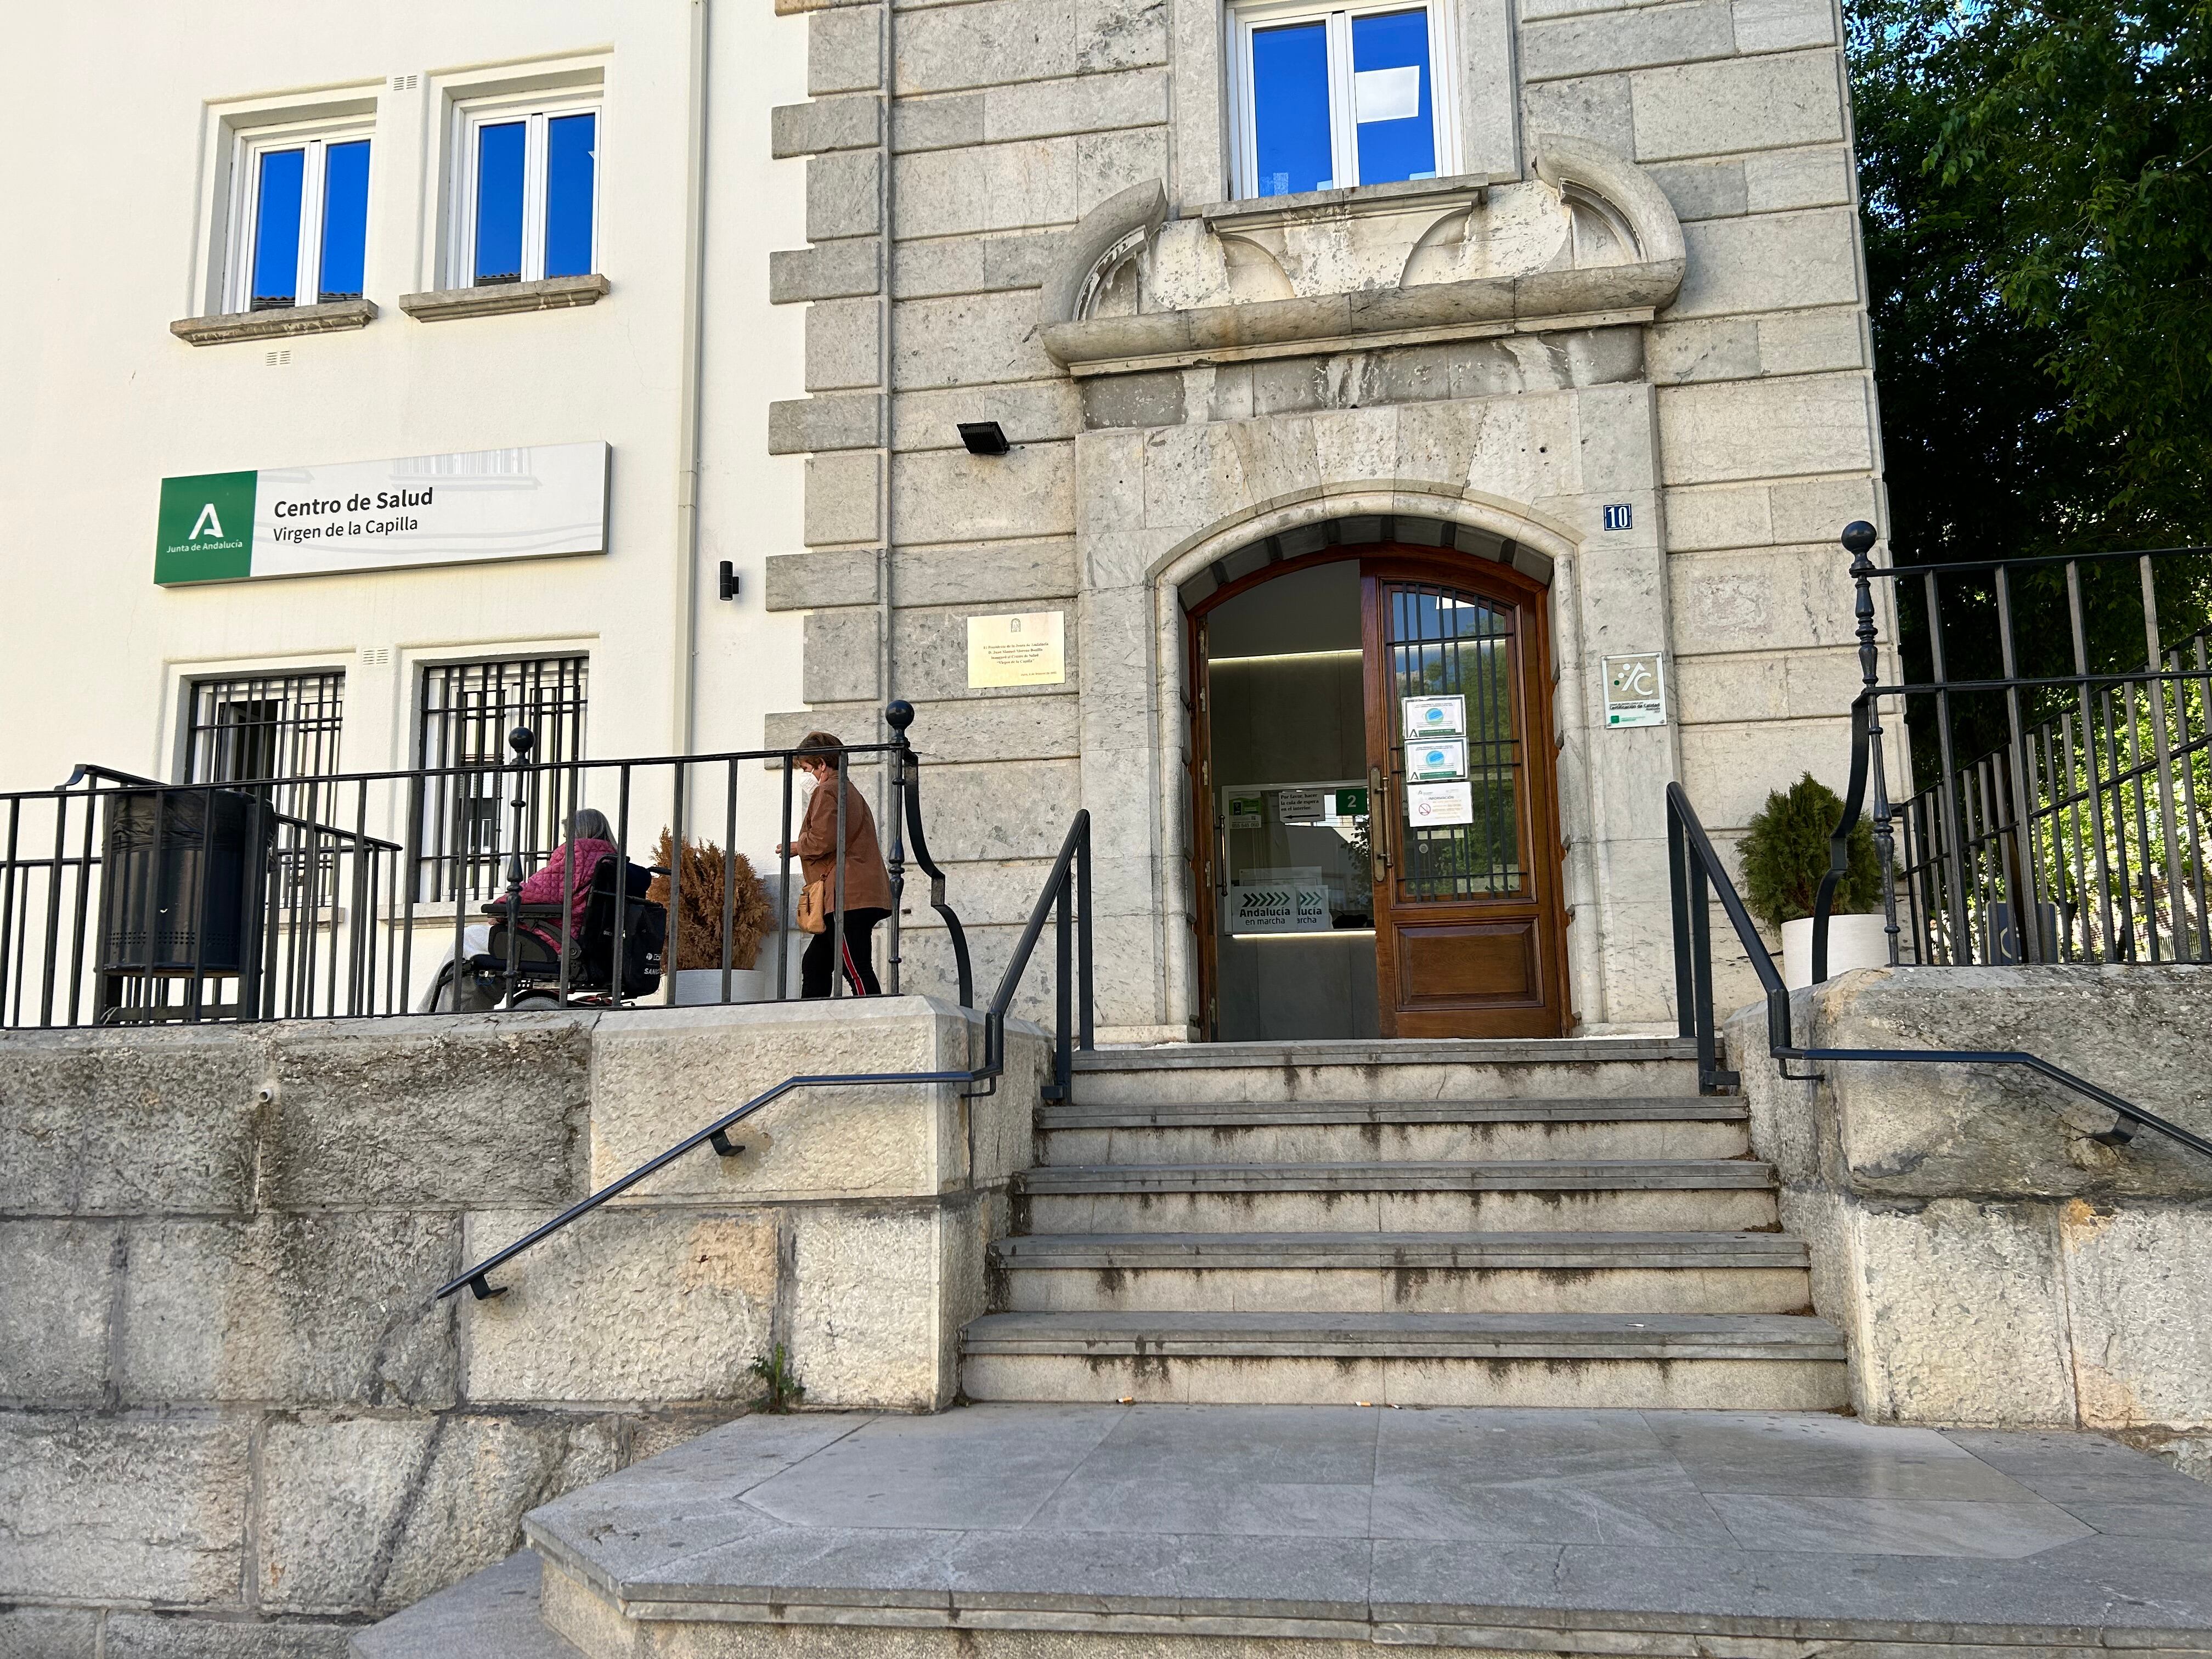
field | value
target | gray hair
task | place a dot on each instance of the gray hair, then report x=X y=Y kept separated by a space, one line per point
x=589 y=824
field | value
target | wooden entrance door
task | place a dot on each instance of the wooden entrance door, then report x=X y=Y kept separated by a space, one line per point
x=1464 y=835
x=1462 y=857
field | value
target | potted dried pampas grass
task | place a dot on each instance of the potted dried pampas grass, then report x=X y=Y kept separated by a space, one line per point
x=695 y=944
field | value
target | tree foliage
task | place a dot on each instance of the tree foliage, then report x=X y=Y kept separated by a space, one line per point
x=2036 y=178
x=2093 y=128
x=2037 y=181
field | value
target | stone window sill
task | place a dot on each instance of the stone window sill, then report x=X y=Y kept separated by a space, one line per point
x=1258 y=211
x=277 y=323
x=553 y=293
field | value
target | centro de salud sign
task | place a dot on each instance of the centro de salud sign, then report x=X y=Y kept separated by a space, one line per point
x=460 y=508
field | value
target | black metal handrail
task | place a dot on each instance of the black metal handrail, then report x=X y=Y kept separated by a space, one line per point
x=1067 y=896
x=1696 y=872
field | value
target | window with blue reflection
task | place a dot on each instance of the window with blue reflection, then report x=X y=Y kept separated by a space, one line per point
x=570 y=166
x=1391 y=97
x=345 y=220
x=499 y=201
x=277 y=228
x=1290 y=109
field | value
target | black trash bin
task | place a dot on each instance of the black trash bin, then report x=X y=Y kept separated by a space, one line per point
x=183 y=890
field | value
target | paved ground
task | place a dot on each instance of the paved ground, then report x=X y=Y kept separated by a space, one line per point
x=1764 y=1523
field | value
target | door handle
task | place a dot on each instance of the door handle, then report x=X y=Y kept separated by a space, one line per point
x=1378 y=825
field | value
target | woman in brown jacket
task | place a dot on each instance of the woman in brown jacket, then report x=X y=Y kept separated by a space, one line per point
x=868 y=882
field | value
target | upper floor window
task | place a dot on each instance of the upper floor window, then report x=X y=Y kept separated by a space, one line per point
x=300 y=227
x=1328 y=98
x=526 y=199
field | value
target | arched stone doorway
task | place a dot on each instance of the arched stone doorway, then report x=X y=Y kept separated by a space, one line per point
x=1373 y=820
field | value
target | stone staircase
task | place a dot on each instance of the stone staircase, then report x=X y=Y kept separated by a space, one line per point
x=1456 y=1224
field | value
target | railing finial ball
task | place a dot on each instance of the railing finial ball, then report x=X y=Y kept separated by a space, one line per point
x=1859 y=537
x=522 y=740
x=898 y=714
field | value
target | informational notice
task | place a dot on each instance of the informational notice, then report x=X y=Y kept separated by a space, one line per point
x=1300 y=806
x=1029 y=649
x=459 y=509
x=1636 y=689
x=1434 y=717
x=1247 y=812
x=1443 y=761
x=1288 y=901
x=1431 y=804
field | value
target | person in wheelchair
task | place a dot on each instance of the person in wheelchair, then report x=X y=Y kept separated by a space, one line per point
x=591 y=869
x=591 y=838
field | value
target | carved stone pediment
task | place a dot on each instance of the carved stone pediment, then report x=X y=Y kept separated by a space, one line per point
x=1588 y=240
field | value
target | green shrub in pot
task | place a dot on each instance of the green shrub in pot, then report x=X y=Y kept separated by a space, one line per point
x=1786 y=854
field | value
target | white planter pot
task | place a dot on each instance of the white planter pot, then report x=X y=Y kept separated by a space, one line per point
x=1853 y=942
x=699 y=987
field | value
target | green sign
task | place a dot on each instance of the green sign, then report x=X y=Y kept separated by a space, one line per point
x=206 y=528
x=538 y=502
x=1352 y=803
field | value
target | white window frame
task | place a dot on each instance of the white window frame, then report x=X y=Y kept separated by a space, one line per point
x=248 y=147
x=1344 y=131
x=536 y=109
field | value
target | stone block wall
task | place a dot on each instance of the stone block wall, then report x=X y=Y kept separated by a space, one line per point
x=234 y=1422
x=1991 y=1261
x=989 y=126
x=952 y=148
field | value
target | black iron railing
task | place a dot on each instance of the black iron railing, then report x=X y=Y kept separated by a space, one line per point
x=1697 y=875
x=125 y=899
x=1065 y=902
x=2083 y=835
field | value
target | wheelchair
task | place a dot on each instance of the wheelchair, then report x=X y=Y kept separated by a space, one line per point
x=481 y=980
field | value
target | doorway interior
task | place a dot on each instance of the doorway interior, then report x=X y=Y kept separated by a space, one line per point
x=1376 y=840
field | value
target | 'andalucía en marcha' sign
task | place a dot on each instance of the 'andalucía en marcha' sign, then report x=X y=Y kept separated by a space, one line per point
x=383 y=515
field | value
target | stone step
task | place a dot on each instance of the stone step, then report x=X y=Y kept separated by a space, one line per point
x=1401 y=1272
x=1466 y=1069
x=492 y=1614
x=1012 y=1531
x=1510 y=1195
x=1221 y=1132
x=1762 y=1362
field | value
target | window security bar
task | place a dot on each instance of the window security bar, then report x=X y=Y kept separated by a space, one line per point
x=126 y=900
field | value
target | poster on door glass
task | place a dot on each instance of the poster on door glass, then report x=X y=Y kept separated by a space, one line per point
x=1429 y=805
x=1443 y=761
x=1434 y=717
x=1280 y=901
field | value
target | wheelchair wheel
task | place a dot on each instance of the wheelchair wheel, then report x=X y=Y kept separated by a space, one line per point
x=470 y=999
x=536 y=1000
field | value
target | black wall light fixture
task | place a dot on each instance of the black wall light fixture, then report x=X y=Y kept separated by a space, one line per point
x=729 y=583
x=983 y=438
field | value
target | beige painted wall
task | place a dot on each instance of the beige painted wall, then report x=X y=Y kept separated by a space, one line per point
x=103 y=402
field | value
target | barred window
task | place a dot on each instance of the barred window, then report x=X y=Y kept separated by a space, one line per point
x=280 y=733
x=265 y=728
x=467 y=710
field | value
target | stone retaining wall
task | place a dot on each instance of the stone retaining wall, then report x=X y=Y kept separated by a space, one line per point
x=1991 y=1263
x=233 y=1421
